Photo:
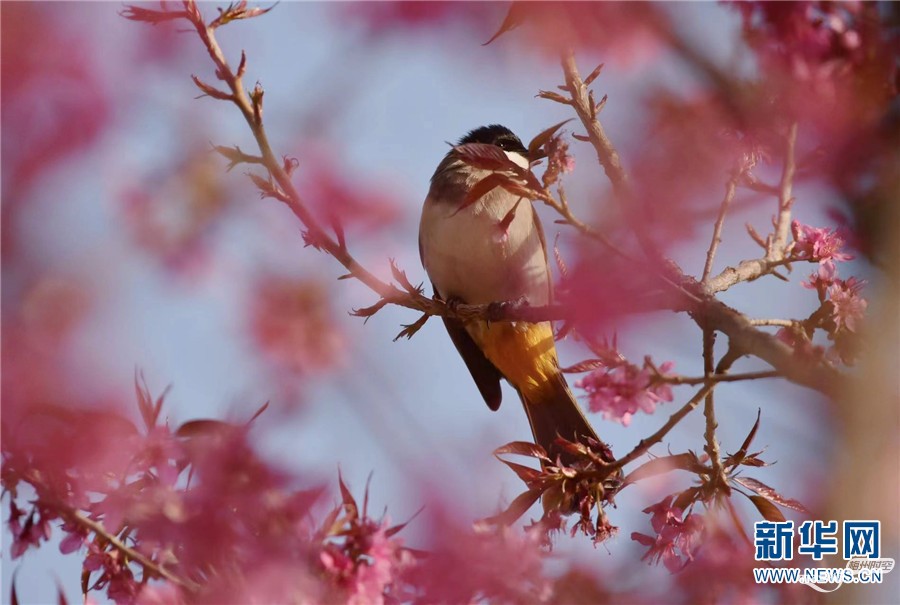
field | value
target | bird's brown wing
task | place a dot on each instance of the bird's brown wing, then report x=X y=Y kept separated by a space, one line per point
x=486 y=375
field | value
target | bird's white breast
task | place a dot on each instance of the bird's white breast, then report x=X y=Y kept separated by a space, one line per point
x=469 y=255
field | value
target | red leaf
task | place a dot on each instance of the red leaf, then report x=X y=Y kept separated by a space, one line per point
x=516 y=509
x=768 y=510
x=484 y=156
x=60 y=597
x=348 y=500
x=258 y=413
x=514 y=18
x=685 y=498
x=738 y=457
x=584 y=366
x=136 y=13
x=13 y=597
x=545 y=135
x=397 y=528
x=764 y=490
x=523 y=448
x=204 y=428
x=482 y=188
x=525 y=473
x=686 y=462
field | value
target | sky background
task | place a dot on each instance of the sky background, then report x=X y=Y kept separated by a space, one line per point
x=382 y=102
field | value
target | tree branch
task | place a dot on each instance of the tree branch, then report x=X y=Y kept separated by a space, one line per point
x=730 y=188
x=145 y=562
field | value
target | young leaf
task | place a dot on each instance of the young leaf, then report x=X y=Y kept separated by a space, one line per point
x=545 y=135
x=482 y=188
x=584 y=366
x=516 y=509
x=527 y=474
x=764 y=490
x=258 y=413
x=484 y=156
x=738 y=457
x=347 y=498
x=136 y=13
x=398 y=528
x=687 y=462
x=523 y=448
x=514 y=18
x=13 y=597
x=686 y=498
x=768 y=510
x=204 y=427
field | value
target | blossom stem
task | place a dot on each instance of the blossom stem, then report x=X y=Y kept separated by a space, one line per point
x=783 y=323
x=717 y=378
x=645 y=444
x=778 y=246
x=730 y=188
x=147 y=563
x=718 y=478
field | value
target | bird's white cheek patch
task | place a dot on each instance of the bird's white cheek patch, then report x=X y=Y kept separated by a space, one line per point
x=517 y=158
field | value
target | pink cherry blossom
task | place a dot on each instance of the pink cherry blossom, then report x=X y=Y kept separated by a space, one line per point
x=677 y=536
x=848 y=307
x=819 y=244
x=620 y=392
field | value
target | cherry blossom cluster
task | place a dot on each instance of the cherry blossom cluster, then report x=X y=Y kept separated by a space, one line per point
x=677 y=535
x=620 y=390
x=194 y=514
x=842 y=306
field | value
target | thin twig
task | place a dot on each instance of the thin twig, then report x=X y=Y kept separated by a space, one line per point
x=709 y=411
x=131 y=553
x=645 y=444
x=730 y=188
x=776 y=245
x=717 y=378
x=778 y=248
x=784 y=323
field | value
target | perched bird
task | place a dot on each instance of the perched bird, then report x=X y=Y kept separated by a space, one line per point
x=493 y=250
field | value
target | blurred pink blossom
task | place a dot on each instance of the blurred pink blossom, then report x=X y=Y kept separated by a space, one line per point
x=677 y=536
x=848 y=306
x=619 y=392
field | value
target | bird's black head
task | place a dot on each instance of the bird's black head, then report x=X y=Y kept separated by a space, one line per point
x=495 y=134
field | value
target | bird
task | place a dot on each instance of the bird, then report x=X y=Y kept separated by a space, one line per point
x=489 y=251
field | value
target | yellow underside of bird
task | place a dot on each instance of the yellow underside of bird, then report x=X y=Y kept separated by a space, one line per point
x=523 y=352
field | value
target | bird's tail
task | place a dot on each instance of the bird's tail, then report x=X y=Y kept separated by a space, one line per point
x=553 y=412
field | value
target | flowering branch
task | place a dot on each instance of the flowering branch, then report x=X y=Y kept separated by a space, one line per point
x=709 y=410
x=698 y=298
x=730 y=188
x=716 y=378
x=645 y=444
x=147 y=563
x=776 y=245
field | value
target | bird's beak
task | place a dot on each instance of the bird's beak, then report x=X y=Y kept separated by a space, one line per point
x=537 y=155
